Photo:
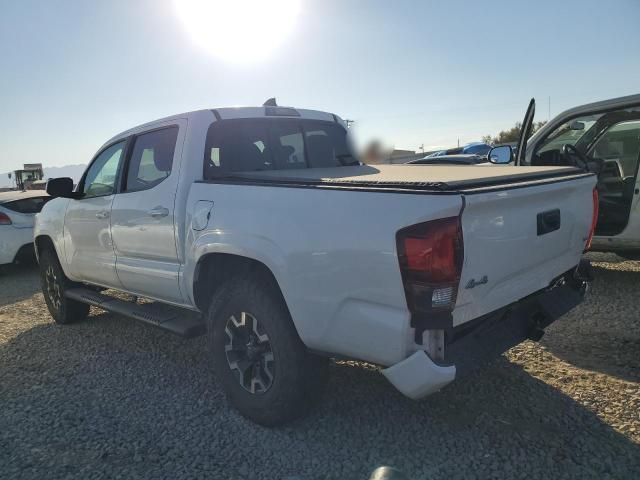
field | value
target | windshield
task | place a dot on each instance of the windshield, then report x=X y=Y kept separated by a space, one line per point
x=568 y=133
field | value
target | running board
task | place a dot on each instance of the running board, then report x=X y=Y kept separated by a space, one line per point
x=174 y=319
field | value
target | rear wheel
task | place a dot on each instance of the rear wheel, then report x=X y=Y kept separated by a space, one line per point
x=266 y=371
x=54 y=284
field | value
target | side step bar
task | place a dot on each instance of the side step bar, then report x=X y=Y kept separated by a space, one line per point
x=176 y=320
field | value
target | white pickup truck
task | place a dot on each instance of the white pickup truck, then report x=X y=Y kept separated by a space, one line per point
x=259 y=227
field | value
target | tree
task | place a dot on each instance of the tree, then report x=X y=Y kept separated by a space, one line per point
x=512 y=135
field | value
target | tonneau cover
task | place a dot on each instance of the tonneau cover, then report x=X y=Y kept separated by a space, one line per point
x=407 y=177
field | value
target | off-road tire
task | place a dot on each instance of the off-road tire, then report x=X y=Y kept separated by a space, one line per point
x=298 y=376
x=54 y=284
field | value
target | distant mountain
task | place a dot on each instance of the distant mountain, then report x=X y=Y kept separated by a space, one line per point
x=73 y=171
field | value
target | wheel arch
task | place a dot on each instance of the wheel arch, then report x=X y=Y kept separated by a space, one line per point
x=214 y=268
x=44 y=241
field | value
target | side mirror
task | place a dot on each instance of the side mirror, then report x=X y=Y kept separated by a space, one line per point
x=575 y=125
x=501 y=155
x=60 y=187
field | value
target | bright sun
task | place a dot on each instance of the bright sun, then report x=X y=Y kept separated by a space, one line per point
x=238 y=30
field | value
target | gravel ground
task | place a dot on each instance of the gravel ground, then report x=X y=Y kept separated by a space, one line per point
x=112 y=398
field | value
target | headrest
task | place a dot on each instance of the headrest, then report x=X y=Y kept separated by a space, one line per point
x=321 y=151
x=242 y=157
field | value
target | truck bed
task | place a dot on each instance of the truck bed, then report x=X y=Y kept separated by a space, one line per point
x=409 y=178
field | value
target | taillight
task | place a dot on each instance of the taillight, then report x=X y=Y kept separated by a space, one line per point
x=594 y=219
x=4 y=219
x=430 y=256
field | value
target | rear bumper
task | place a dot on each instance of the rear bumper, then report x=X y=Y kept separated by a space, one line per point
x=471 y=345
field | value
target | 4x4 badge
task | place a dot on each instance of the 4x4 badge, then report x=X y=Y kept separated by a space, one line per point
x=474 y=283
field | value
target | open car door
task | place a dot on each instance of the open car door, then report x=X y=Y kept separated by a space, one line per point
x=525 y=132
x=603 y=138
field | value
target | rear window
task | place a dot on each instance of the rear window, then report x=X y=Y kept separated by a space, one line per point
x=249 y=145
x=27 y=205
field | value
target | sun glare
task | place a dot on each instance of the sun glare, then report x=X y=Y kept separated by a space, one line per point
x=239 y=30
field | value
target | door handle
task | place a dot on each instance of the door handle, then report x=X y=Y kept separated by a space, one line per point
x=102 y=214
x=158 y=212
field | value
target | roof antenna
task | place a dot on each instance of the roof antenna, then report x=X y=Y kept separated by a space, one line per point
x=270 y=103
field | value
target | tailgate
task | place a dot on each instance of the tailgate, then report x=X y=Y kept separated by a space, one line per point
x=517 y=240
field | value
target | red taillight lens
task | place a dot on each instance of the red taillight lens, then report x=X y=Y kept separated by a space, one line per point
x=431 y=251
x=430 y=256
x=4 y=219
x=594 y=218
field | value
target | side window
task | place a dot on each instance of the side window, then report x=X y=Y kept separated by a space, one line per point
x=151 y=159
x=101 y=177
x=621 y=143
x=27 y=205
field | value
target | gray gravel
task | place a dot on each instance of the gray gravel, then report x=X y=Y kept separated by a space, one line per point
x=111 y=398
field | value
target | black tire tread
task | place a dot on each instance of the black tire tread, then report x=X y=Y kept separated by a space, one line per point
x=300 y=376
x=70 y=311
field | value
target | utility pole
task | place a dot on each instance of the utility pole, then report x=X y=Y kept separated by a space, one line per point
x=458 y=141
x=349 y=122
x=549 y=112
x=421 y=147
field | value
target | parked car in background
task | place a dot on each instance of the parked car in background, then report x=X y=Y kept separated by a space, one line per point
x=17 y=211
x=604 y=137
x=473 y=148
x=476 y=148
x=259 y=226
x=460 y=159
x=439 y=153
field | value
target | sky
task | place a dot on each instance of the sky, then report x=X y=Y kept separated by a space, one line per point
x=411 y=73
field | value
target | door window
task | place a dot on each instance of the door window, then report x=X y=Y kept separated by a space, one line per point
x=620 y=143
x=101 y=177
x=151 y=159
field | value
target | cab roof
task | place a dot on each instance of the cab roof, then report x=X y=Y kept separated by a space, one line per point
x=228 y=113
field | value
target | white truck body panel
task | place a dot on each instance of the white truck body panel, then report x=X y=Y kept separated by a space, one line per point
x=334 y=259
x=143 y=232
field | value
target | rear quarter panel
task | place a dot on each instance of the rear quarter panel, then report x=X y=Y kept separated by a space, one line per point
x=333 y=253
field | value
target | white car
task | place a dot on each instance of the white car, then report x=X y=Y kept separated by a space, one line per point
x=605 y=137
x=17 y=211
x=259 y=226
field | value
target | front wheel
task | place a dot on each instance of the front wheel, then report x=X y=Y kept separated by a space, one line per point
x=266 y=371
x=54 y=283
